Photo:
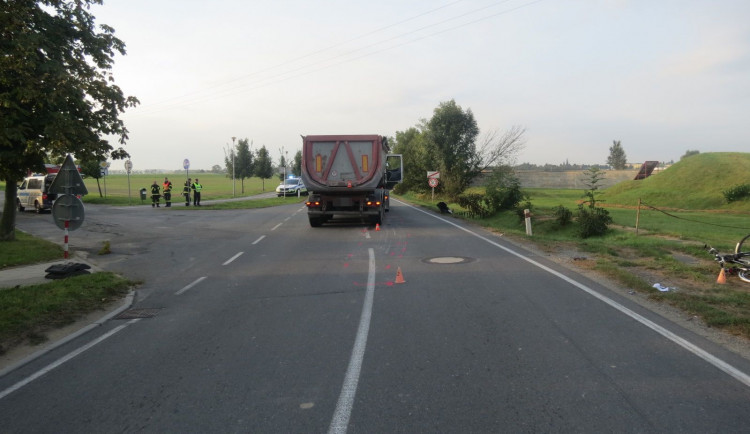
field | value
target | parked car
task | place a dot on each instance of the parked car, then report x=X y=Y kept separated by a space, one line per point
x=33 y=192
x=291 y=187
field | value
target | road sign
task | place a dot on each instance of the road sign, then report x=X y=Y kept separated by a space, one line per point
x=68 y=179
x=128 y=166
x=433 y=175
x=70 y=208
x=103 y=164
x=433 y=182
x=186 y=164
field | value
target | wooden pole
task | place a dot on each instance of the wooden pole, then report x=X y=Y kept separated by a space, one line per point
x=638 y=216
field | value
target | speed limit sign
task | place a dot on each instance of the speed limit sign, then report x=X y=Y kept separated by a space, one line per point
x=433 y=182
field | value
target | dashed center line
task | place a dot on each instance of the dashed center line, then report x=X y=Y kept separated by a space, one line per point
x=197 y=281
x=276 y=227
x=258 y=240
x=229 y=261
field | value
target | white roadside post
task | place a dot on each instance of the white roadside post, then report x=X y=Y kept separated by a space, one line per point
x=527 y=217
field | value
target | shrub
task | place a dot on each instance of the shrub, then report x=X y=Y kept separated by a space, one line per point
x=563 y=216
x=592 y=221
x=738 y=192
x=503 y=190
x=475 y=205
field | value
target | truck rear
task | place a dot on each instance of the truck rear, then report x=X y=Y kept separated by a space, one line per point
x=348 y=175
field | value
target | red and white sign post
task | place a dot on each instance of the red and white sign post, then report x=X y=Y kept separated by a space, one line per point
x=433 y=181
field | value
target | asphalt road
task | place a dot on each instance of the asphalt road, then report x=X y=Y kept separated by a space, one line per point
x=255 y=322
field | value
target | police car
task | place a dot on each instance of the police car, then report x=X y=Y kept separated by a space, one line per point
x=32 y=193
x=291 y=186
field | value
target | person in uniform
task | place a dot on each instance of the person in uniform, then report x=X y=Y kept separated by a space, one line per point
x=197 y=187
x=186 y=191
x=167 y=189
x=155 y=194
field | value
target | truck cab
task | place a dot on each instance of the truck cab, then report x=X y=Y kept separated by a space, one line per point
x=33 y=193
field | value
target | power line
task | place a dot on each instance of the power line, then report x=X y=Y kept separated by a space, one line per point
x=305 y=69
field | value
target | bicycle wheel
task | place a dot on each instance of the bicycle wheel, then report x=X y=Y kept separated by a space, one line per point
x=743 y=250
x=744 y=275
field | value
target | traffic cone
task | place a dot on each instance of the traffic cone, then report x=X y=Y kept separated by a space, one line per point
x=377 y=226
x=399 y=276
x=722 y=277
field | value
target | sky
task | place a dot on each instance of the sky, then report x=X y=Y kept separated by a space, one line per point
x=662 y=77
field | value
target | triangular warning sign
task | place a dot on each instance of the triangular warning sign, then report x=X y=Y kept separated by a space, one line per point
x=68 y=179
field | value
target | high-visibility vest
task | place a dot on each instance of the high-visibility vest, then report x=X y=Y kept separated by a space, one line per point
x=197 y=187
x=167 y=187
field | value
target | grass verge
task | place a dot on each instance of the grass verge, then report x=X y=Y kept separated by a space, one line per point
x=28 y=312
x=26 y=249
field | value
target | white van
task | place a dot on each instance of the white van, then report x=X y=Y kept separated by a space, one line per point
x=33 y=193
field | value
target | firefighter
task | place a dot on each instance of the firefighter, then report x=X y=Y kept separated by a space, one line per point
x=167 y=188
x=186 y=191
x=155 y=194
x=197 y=187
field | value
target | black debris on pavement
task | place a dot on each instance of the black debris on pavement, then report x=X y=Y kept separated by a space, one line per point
x=70 y=269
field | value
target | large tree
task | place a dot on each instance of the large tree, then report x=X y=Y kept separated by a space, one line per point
x=412 y=145
x=57 y=93
x=456 y=149
x=451 y=138
x=617 y=158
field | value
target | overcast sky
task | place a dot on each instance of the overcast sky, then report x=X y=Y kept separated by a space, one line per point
x=661 y=76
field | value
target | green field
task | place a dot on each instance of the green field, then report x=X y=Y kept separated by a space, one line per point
x=215 y=186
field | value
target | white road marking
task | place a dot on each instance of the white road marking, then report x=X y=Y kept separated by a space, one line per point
x=61 y=361
x=258 y=240
x=740 y=376
x=344 y=406
x=197 y=281
x=276 y=227
x=229 y=261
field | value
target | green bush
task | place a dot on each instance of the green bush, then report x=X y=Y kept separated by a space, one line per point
x=738 y=192
x=503 y=191
x=475 y=205
x=563 y=216
x=592 y=221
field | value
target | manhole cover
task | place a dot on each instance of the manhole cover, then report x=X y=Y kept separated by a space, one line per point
x=448 y=260
x=138 y=313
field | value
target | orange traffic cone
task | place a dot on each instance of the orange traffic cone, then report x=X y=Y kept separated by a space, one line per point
x=377 y=226
x=399 y=276
x=722 y=277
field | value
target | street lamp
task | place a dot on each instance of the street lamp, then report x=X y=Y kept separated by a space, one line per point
x=233 y=187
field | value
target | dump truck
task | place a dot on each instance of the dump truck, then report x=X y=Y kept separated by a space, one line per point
x=348 y=176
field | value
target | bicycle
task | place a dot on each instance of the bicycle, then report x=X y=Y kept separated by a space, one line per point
x=737 y=262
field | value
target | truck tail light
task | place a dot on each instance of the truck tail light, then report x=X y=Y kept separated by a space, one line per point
x=312 y=204
x=373 y=203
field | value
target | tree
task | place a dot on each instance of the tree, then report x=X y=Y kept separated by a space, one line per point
x=215 y=168
x=451 y=138
x=57 y=93
x=412 y=145
x=592 y=220
x=282 y=164
x=263 y=165
x=450 y=143
x=617 y=158
x=90 y=167
x=244 y=161
x=297 y=167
